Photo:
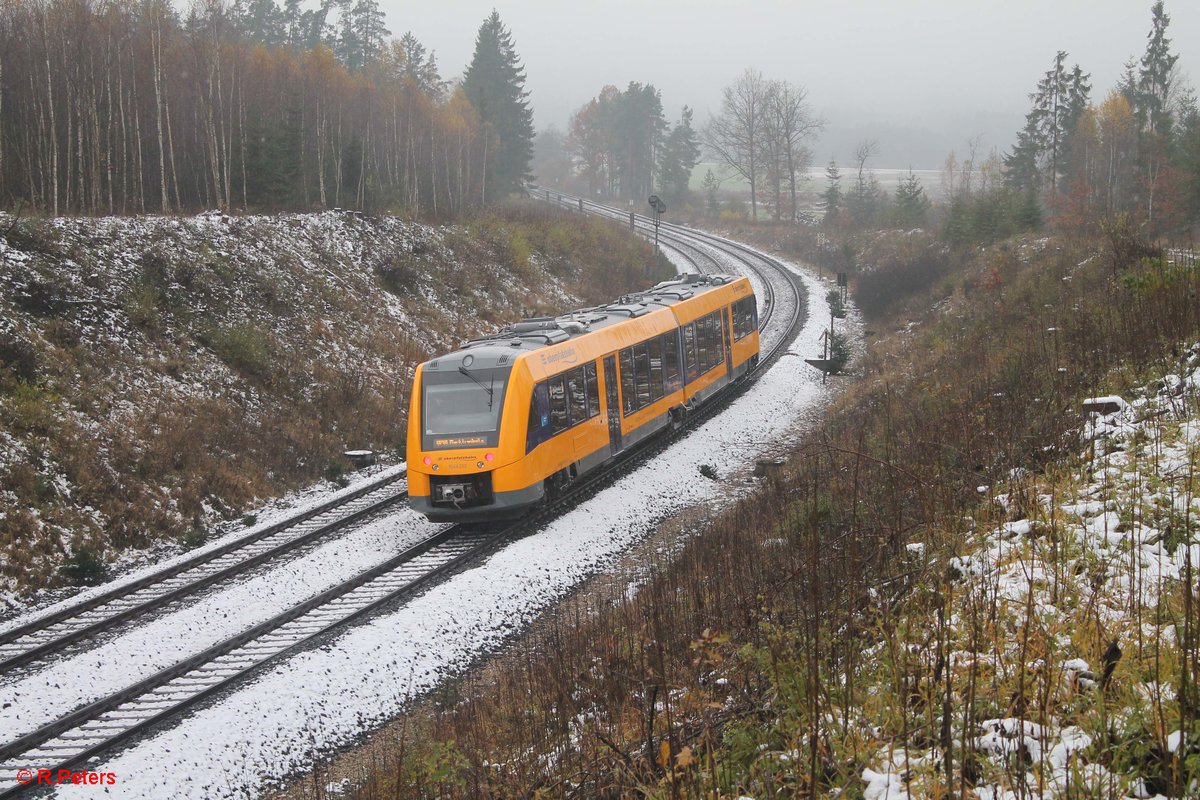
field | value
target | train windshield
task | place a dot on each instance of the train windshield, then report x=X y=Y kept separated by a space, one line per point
x=462 y=408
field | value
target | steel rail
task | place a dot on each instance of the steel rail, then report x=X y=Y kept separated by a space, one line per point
x=45 y=635
x=115 y=719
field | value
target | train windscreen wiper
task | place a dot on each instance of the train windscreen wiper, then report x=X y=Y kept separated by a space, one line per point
x=491 y=392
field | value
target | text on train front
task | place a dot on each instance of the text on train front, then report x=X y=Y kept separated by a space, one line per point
x=462 y=408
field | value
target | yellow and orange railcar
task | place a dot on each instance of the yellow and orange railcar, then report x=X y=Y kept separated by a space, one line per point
x=507 y=421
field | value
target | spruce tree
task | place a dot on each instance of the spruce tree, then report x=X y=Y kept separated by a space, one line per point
x=680 y=154
x=495 y=85
x=911 y=202
x=640 y=128
x=1155 y=77
x=711 y=185
x=833 y=192
x=1040 y=154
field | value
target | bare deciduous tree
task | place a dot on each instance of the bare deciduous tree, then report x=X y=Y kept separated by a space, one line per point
x=789 y=123
x=735 y=136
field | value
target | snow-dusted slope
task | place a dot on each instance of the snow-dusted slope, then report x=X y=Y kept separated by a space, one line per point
x=1100 y=554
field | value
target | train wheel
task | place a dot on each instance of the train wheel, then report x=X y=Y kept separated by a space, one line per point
x=558 y=483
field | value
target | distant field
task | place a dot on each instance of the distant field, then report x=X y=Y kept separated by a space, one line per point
x=888 y=178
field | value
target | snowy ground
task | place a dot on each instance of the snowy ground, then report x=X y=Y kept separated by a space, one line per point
x=324 y=698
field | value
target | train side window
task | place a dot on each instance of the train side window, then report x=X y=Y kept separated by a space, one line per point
x=576 y=396
x=593 y=389
x=670 y=343
x=717 y=350
x=656 y=368
x=712 y=327
x=743 y=317
x=689 y=349
x=641 y=365
x=703 y=344
x=539 y=417
x=558 y=405
x=628 y=395
x=714 y=339
x=748 y=316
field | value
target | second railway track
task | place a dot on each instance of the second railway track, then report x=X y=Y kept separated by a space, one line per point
x=52 y=633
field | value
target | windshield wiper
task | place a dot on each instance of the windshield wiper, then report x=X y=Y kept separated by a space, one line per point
x=489 y=389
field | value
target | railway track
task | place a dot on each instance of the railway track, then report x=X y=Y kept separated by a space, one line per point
x=676 y=237
x=54 y=633
x=122 y=716
x=110 y=721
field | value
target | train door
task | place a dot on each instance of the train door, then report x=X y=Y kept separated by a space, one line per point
x=612 y=403
x=725 y=326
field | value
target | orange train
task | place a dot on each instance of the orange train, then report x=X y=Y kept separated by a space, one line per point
x=511 y=420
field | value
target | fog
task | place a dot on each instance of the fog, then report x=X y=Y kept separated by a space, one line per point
x=921 y=77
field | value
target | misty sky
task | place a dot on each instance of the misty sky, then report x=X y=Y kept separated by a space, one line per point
x=922 y=77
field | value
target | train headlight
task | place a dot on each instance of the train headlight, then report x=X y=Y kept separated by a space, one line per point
x=487 y=456
x=428 y=460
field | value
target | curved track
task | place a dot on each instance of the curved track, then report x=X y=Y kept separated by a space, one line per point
x=129 y=713
x=699 y=248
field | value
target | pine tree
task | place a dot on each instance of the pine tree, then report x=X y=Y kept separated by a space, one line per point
x=407 y=59
x=262 y=22
x=304 y=30
x=495 y=85
x=363 y=33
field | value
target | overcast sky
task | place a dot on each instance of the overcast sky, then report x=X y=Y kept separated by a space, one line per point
x=923 y=77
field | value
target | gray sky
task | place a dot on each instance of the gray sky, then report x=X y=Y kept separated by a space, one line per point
x=922 y=76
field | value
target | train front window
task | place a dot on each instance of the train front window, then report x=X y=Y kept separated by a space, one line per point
x=462 y=408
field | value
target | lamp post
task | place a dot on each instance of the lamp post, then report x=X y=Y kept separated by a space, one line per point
x=659 y=207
